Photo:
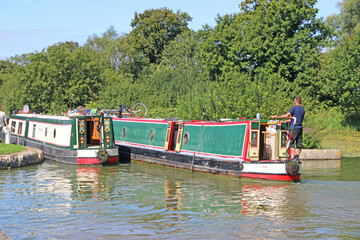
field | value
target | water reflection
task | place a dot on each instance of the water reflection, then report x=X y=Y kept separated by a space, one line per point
x=265 y=200
x=96 y=182
x=145 y=201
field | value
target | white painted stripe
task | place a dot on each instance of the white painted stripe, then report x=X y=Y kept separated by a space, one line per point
x=265 y=168
x=91 y=153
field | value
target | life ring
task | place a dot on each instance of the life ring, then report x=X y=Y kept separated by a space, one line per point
x=102 y=155
x=292 y=168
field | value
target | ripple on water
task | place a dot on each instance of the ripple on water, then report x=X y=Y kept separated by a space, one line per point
x=143 y=201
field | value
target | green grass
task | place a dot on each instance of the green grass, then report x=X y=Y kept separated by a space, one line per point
x=348 y=142
x=10 y=148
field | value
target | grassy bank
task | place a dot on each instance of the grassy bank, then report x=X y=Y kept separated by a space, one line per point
x=347 y=141
x=10 y=148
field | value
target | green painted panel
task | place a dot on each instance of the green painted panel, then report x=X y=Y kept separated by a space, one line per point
x=139 y=132
x=284 y=126
x=255 y=125
x=223 y=140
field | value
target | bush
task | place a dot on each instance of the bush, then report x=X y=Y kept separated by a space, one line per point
x=311 y=138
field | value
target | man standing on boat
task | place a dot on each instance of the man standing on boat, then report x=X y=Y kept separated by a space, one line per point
x=2 y=121
x=298 y=112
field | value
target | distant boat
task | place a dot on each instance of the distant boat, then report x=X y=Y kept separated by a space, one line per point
x=251 y=148
x=77 y=139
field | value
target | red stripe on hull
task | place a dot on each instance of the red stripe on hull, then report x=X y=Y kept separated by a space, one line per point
x=112 y=159
x=295 y=178
x=88 y=161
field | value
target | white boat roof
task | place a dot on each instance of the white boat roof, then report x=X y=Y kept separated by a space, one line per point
x=30 y=115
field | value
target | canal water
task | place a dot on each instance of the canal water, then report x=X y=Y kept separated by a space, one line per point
x=144 y=201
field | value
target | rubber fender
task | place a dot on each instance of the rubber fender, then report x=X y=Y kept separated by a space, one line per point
x=102 y=155
x=292 y=168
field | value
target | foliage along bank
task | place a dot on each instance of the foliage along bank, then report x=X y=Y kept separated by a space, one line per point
x=256 y=60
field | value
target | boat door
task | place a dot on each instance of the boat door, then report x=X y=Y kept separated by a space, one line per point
x=169 y=134
x=174 y=136
x=283 y=131
x=254 y=141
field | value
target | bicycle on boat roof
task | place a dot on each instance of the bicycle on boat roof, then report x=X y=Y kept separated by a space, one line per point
x=137 y=110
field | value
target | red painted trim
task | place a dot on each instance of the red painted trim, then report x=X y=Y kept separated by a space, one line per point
x=94 y=160
x=113 y=159
x=272 y=176
x=246 y=142
x=185 y=123
x=88 y=161
x=140 y=145
x=171 y=134
x=140 y=120
x=216 y=123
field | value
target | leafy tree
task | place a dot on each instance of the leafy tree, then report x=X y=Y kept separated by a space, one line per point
x=100 y=43
x=339 y=76
x=155 y=28
x=62 y=76
x=7 y=81
x=118 y=53
x=266 y=37
x=349 y=17
x=177 y=75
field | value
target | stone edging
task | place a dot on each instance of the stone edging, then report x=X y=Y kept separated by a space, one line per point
x=320 y=154
x=23 y=158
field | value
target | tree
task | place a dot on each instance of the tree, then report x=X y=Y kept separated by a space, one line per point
x=349 y=17
x=62 y=76
x=266 y=37
x=339 y=84
x=7 y=81
x=155 y=28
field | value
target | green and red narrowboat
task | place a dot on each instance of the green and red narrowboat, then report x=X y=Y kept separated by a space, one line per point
x=77 y=139
x=251 y=148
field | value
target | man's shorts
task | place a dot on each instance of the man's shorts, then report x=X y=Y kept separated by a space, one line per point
x=296 y=136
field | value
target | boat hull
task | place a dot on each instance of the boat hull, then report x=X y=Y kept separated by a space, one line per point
x=69 y=156
x=269 y=170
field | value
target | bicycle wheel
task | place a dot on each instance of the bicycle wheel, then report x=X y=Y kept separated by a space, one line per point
x=139 y=110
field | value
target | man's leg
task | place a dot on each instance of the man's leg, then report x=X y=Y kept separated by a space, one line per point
x=298 y=143
x=292 y=151
x=1 y=134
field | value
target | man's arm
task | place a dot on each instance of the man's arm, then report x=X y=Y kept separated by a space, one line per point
x=286 y=115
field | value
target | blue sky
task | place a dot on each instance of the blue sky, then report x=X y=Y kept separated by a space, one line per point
x=32 y=25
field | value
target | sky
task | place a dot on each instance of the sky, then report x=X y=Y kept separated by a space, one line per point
x=32 y=25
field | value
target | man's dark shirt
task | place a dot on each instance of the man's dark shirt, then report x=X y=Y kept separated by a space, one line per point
x=298 y=112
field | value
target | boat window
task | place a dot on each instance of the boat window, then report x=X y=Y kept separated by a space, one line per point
x=45 y=132
x=152 y=134
x=186 y=138
x=34 y=128
x=124 y=132
x=20 y=128
x=55 y=133
x=13 y=125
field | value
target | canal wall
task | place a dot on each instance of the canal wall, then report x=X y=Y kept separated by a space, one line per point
x=320 y=158
x=24 y=158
